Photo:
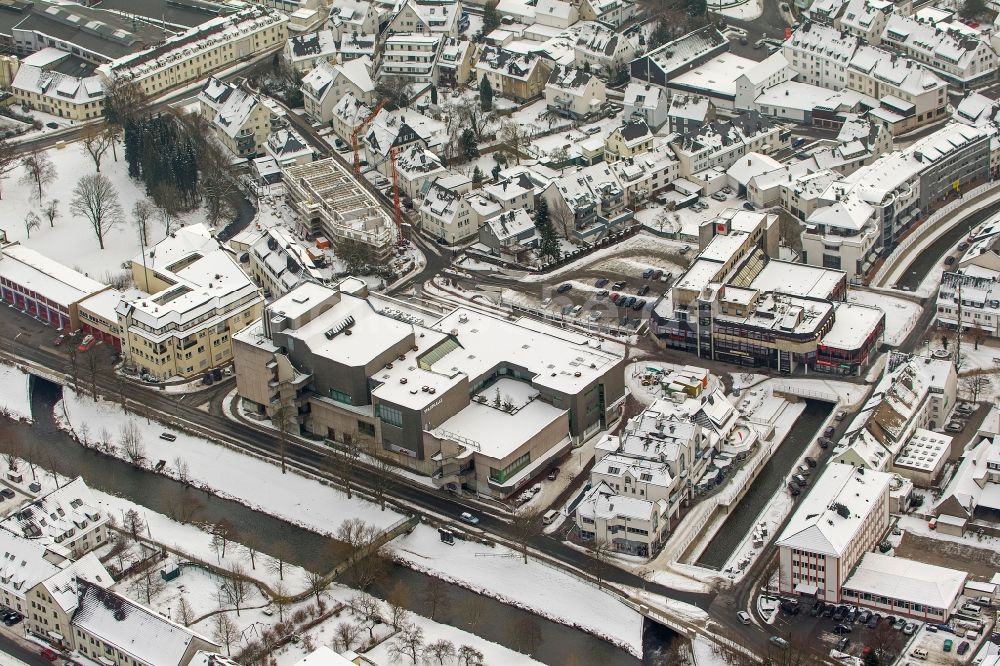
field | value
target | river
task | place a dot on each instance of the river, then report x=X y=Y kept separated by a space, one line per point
x=307 y=549
x=771 y=478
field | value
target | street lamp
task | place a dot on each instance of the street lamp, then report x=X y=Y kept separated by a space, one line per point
x=13 y=342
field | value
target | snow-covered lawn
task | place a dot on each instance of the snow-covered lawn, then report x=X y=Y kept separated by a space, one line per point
x=71 y=240
x=14 y=397
x=501 y=573
x=900 y=314
x=745 y=11
x=224 y=472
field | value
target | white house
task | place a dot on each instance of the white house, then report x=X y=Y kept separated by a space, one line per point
x=326 y=84
x=574 y=93
x=303 y=52
x=648 y=101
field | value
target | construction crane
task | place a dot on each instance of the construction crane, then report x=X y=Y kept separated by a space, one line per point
x=357 y=130
x=395 y=196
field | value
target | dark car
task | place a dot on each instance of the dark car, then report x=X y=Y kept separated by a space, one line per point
x=829 y=610
x=810 y=461
x=643 y=290
x=962 y=247
x=864 y=616
x=842 y=629
x=601 y=282
x=963 y=647
x=622 y=300
x=889 y=620
x=873 y=621
x=790 y=607
x=639 y=304
x=657 y=274
x=618 y=286
x=563 y=288
x=603 y=293
x=843 y=643
x=852 y=615
x=749 y=206
x=949 y=261
x=828 y=431
x=7 y=493
x=630 y=301
x=794 y=490
x=839 y=614
x=816 y=609
x=12 y=618
x=646 y=274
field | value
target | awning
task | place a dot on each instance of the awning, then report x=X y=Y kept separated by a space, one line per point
x=807 y=589
x=55 y=635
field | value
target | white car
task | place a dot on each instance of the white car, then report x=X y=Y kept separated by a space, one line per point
x=743 y=617
x=467 y=517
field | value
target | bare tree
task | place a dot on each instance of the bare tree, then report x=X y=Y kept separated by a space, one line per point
x=345 y=460
x=563 y=220
x=93 y=366
x=381 y=471
x=978 y=335
x=142 y=214
x=8 y=161
x=280 y=417
x=409 y=642
x=183 y=470
x=51 y=211
x=96 y=199
x=184 y=612
x=470 y=656
x=973 y=386
x=251 y=543
x=600 y=554
x=435 y=595
x=345 y=635
x=470 y=115
x=224 y=630
x=528 y=634
x=130 y=439
x=187 y=509
x=31 y=221
x=398 y=599
x=236 y=587
x=276 y=564
x=441 y=649
x=38 y=170
x=366 y=567
x=280 y=599
x=134 y=524
x=95 y=142
x=222 y=533
x=147 y=584
x=319 y=586
x=514 y=137
x=525 y=526
x=367 y=610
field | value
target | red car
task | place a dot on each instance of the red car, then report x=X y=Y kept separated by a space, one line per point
x=87 y=343
x=58 y=341
x=49 y=654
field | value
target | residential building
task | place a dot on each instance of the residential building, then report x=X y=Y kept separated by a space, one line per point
x=969 y=502
x=647 y=174
x=516 y=76
x=52 y=602
x=191 y=297
x=604 y=50
x=820 y=55
x=41 y=287
x=588 y=203
x=348 y=115
x=485 y=421
x=556 y=13
x=865 y=19
x=411 y=56
x=611 y=12
x=770 y=72
x=415 y=167
x=688 y=113
x=331 y=203
x=114 y=630
x=277 y=261
x=950 y=52
x=50 y=81
x=217 y=44
x=843 y=517
x=512 y=192
x=685 y=53
x=66 y=521
x=353 y=17
x=648 y=102
x=631 y=525
x=629 y=140
x=979 y=291
x=426 y=17
x=304 y=52
x=447 y=215
x=287 y=148
x=509 y=233
x=25 y=564
x=574 y=93
x=720 y=143
x=455 y=62
x=240 y=121
x=906 y=588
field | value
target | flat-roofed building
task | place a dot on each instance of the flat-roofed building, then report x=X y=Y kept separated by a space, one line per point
x=905 y=587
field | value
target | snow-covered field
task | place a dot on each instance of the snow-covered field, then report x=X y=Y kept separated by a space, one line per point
x=225 y=472
x=71 y=240
x=745 y=11
x=900 y=314
x=502 y=574
x=14 y=397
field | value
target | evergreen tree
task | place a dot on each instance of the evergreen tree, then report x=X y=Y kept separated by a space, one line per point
x=469 y=146
x=434 y=95
x=491 y=19
x=495 y=171
x=477 y=176
x=485 y=94
x=549 y=242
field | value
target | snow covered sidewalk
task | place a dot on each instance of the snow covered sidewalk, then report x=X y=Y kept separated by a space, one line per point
x=224 y=472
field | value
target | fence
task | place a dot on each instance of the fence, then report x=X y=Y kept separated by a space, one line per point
x=806 y=393
x=929 y=224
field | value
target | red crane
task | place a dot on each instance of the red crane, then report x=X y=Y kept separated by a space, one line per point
x=357 y=130
x=395 y=196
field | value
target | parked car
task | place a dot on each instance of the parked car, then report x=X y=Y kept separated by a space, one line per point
x=601 y=282
x=168 y=436
x=839 y=614
x=811 y=461
x=843 y=643
x=639 y=304
x=646 y=274
x=931 y=629
x=794 y=490
x=602 y=294
x=49 y=653
x=719 y=196
x=749 y=206
x=57 y=342
x=873 y=621
x=743 y=617
x=949 y=261
x=630 y=301
x=7 y=493
x=467 y=517
x=618 y=286
x=563 y=288
x=829 y=610
x=828 y=431
x=824 y=442
x=864 y=616
x=657 y=274
x=778 y=641
x=947 y=644
x=87 y=342
x=621 y=300
x=852 y=615
x=842 y=629
x=13 y=618
x=909 y=628
x=553 y=474
x=963 y=246
x=963 y=647
x=643 y=290
x=954 y=426
x=816 y=609
x=790 y=607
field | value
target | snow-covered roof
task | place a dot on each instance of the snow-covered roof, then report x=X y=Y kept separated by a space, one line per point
x=972 y=480
x=690 y=107
x=908 y=580
x=324 y=656
x=766 y=68
x=852 y=324
x=750 y=165
x=63 y=586
x=976 y=109
x=819 y=525
x=570 y=80
x=440 y=202
x=606 y=504
x=320 y=44
x=715 y=77
x=510 y=224
x=22 y=564
x=66 y=512
x=824 y=41
x=640 y=95
x=36 y=272
x=924 y=450
x=372 y=333
x=680 y=52
x=232 y=105
x=933 y=43
x=135 y=630
x=907 y=75
x=506 y=63
x=797 y=279
x=638 y=469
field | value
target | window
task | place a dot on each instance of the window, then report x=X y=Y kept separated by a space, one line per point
x=389 y=415
x=366 y=428
x=501 y=475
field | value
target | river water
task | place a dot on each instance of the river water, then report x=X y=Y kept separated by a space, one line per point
x=308 y=549
x=773 y=476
